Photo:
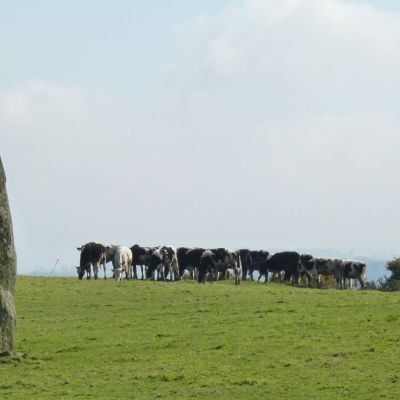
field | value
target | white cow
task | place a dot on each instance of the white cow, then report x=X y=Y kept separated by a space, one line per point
x=122 y=262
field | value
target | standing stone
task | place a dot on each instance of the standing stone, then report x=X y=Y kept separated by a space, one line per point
x=8 y=269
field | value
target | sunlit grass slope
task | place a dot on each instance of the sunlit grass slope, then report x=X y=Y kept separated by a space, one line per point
x=146 y=340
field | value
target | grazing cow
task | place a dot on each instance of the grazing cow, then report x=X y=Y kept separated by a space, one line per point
x=257 y=261
x=141 y=257
x=244 y=261
x=189 y=260
x=219 y=260
x=352 y=270
x=122 y=262
x=92 y=255
x=163 y=260
x=329 y=267
x=285 y=261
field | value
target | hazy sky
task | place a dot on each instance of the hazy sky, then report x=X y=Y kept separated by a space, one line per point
x=258 y=123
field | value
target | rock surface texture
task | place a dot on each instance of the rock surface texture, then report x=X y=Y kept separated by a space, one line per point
x=8 y=269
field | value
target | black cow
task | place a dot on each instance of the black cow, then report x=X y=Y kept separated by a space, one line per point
x=285 y=261
x=164 y=260
x=189 y=260
x=141 y=257
x=92 y=254
x=219 y=260
x=257 y=261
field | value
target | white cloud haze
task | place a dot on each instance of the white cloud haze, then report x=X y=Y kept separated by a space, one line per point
x=274 y=125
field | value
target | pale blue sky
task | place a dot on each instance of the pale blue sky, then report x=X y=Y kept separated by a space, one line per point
x=259 y=123
x=107 y=44
x=115 y=45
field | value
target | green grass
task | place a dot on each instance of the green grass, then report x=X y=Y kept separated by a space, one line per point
x=147 y=340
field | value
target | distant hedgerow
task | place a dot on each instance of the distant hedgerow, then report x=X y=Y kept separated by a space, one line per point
x=392 y=283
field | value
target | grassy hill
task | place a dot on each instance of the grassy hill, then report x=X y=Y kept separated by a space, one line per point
x=147 y=340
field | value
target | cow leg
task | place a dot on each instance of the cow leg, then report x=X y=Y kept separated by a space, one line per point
x=104 y=269
x=244 y=274
x=337 y=283
x=127 y=272
x=168 y=271
x=96 y=270
x=237 y=276
x=215 y=274
x=362 y=283
x=161 y=273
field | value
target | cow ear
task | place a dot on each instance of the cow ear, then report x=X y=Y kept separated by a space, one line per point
x=79 y=248
x=77 y=268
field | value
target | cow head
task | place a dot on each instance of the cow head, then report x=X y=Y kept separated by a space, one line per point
x=81 y=272
x=117 y=273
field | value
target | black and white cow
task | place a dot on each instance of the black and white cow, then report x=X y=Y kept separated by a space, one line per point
x=329 y=267
x=313 y=268
x=287 y=262
x=257 y=261
x=307 y=269
x=352 y=270
x=219 y=260
x=92 y=255
x=244 y=261
x=141 y=258
x=163 y=260
x=189 y=260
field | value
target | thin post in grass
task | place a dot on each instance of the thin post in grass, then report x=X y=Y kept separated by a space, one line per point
x=54 y=267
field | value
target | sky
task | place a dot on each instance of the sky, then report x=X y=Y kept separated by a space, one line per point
x=245 y=123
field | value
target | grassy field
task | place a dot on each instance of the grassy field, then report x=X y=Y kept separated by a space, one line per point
x=148 y=340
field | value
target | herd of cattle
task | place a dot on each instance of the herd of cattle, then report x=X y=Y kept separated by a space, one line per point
x=213 y=264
